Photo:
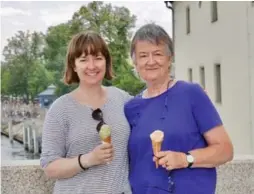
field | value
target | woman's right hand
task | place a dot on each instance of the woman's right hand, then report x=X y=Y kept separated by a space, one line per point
x=101 y=154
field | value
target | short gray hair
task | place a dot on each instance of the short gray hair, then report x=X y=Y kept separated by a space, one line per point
x=154 y=34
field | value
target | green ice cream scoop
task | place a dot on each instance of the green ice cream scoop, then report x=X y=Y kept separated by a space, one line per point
x=105 y=131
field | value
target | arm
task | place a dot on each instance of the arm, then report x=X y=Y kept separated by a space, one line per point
x=219 y=149
x=64 y=167
x=68 y=167
x=54 y=141
x=53 y=156
x=125 y=95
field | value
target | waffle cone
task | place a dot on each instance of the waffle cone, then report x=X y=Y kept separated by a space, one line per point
x=156 y=148
x=157 y=139
x=107 y=140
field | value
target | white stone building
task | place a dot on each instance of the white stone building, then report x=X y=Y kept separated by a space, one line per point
x=214 y=46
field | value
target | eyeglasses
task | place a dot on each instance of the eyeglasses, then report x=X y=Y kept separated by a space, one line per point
x=98 y=116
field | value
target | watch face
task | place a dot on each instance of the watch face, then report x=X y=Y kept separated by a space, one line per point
x=190 y=158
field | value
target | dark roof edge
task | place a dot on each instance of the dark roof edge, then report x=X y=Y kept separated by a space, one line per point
x=169 y=6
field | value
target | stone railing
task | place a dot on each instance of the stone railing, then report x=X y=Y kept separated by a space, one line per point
x=26 y=177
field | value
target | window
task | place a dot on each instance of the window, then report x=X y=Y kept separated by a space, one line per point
x=190 y=75
x=187 y=20
x=214 y=11
x=218 y=97
x=202 y=76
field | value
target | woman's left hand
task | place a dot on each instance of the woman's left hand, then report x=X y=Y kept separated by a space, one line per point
x=171 y=160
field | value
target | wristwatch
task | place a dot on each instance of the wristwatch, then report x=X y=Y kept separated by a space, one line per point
x=190 y=159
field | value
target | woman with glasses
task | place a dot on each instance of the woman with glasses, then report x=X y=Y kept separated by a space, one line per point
x=195 y=141
x=72 y=152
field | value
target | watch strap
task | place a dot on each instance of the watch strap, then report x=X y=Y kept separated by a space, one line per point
x=189 y=163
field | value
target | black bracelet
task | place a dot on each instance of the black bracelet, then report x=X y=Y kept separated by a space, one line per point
x=79 y=156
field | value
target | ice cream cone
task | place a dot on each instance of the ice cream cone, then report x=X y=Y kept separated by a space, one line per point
x=106 y=140
x=157 y=139
x=105 y=134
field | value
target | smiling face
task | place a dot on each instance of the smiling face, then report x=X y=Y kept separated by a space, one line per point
x=152 y=51
x=152 y=60
x=88 y=60
x=90 y=68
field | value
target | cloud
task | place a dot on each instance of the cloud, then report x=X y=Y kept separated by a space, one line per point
x=10 y=11
x=155 y=11
x=16 y=23
x=59 y=15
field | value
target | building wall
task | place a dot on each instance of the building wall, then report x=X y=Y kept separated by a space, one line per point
x=250 y=11
x=226 y=42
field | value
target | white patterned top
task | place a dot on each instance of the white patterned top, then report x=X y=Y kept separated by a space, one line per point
x=70 y=130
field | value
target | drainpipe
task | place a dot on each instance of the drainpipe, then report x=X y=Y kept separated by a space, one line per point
x=251 y=93
x=169 y=5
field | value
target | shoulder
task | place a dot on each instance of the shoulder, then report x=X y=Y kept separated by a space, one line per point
x=59 y=105
x=195 y=92
x=190 y=88
x=133 y=107
x=119 y=93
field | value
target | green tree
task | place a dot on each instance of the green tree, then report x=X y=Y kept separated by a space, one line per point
x=23 y=54
x=5 y=75
x=113 y=23
x=39 y=79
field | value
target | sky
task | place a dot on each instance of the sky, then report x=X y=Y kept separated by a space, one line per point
x=39 y=15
